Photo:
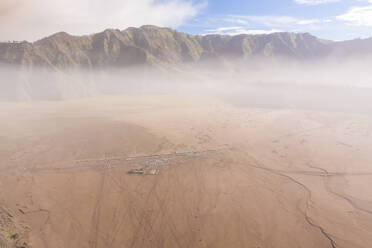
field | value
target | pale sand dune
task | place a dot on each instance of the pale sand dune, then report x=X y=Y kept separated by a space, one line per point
x=279 y=178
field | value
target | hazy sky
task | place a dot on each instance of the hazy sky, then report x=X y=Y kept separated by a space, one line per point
x=330 y=19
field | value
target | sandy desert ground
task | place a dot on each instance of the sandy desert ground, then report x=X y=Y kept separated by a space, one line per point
x=214 y=175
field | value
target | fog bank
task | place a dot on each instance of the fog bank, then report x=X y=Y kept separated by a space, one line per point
x=325 y=85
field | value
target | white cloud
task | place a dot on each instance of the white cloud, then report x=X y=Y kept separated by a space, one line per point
x=359 y=16
x=223 y=29
x=315 y=2
x=240 y=30
x=240 y=24
x=274 y=21
x=25 y=19
x=307 y=22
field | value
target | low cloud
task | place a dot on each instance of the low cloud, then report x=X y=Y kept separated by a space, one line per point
x=315 y=2
x=307 y=22
x=271 y=20
x=240 y=30
x=274 y=21
x=31 y=20
x=238 y=24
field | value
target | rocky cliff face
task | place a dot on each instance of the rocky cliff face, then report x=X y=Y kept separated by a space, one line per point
x=64 y=66
x=153 y=45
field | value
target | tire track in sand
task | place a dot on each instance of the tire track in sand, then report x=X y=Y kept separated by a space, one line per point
x=94 y=230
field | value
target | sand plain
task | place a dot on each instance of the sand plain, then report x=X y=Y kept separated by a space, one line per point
x=224 y=176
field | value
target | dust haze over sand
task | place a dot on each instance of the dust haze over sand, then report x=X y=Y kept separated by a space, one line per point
x=241 y=155
x=329 y=84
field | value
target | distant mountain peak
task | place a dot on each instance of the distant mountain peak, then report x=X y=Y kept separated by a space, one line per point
x=152 y=45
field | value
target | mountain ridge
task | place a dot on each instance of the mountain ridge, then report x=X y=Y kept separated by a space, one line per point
x=152 y=45
x=64 y=66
